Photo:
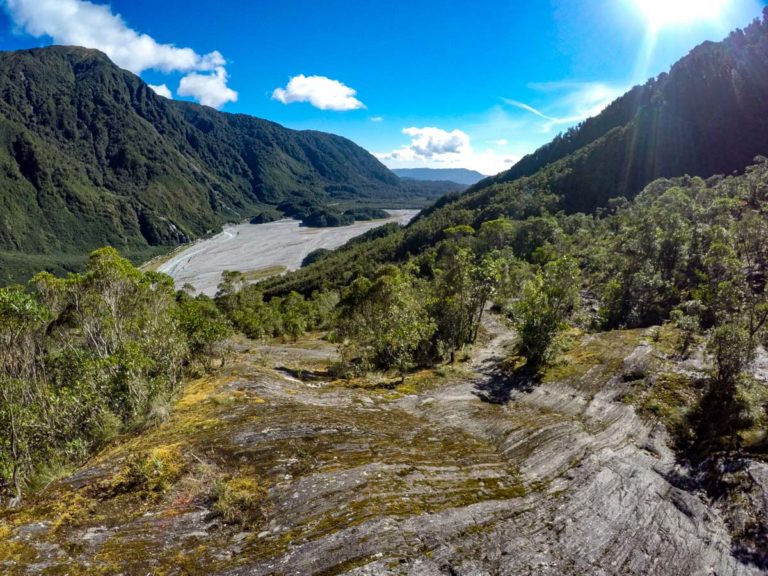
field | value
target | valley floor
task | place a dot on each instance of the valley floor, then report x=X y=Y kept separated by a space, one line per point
x=260 y=250
x=422 y=478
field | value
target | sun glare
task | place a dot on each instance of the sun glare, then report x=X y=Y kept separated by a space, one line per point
x=661 y=13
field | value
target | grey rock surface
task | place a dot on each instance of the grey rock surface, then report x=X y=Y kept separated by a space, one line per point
x=564 y=478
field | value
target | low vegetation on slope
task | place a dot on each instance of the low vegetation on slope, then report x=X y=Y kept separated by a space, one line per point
x=89 y=356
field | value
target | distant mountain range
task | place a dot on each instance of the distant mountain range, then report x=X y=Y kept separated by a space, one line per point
x=458 y=175
x=90 y=155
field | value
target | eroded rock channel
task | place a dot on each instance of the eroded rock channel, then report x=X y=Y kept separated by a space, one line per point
x=422 y=478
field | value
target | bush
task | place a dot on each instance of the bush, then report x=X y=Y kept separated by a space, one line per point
x=315 y=256
x=155 y=470
x=547 y=301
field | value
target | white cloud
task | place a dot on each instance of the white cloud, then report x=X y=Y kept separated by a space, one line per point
x=579 y=101
x=161 y=90
x=531 y=109
x=208 y=89
x=431 y=142
x=499 y=142
x=437 y=148
x=321 y=92
x=82 y=23
x=377 y=119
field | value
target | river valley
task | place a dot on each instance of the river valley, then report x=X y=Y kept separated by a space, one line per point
x=260 y=249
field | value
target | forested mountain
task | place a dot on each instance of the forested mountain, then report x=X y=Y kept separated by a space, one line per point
x=458 y=175
x=90 y=155
x=708 y=115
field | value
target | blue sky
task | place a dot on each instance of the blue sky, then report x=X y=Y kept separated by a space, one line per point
x=419 y=83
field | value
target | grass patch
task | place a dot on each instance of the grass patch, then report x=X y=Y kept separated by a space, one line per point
x=154 y=470
x=667 y=397
x=262 y=273
x=580 y=354
x=755 y=394
x=242 y=501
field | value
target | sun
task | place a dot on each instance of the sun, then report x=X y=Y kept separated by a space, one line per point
x=663 y=13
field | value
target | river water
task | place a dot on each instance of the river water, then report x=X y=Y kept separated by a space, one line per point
x=258 y=247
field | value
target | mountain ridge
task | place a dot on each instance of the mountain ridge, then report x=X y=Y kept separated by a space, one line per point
x=706 y=116
x=90 y=155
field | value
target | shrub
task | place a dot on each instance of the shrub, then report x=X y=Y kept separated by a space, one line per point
x=155 y=470
x=241 y=501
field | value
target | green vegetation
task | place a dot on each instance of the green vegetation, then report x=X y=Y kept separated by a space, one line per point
x=546 y=301
x=687 y=251
x=91 y=156
x=383 y=323
x=153 y=471
x=90 y=355
x=392 y=317
x=723 y=411
x=289 y=316
x=241 y=501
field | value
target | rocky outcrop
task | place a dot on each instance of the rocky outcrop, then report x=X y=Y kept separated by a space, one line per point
x=423 y=479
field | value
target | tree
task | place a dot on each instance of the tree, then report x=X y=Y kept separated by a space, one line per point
x=732 y=349
x=722 y=413
x=296 y=315
x=84 y=356
x=230 y=289
x=384 y=321
x=546 y=303
x=462 y=287
x=202 y=323
x=22 y=395
x=495 y=234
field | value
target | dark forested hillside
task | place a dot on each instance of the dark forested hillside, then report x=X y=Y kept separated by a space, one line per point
x=90 y=155
x=708 y=115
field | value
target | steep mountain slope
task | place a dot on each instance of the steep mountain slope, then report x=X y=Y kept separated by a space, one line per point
x=90 y=155
x=708 y=115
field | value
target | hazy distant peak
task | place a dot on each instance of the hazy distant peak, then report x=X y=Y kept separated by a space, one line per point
x=459 y=175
